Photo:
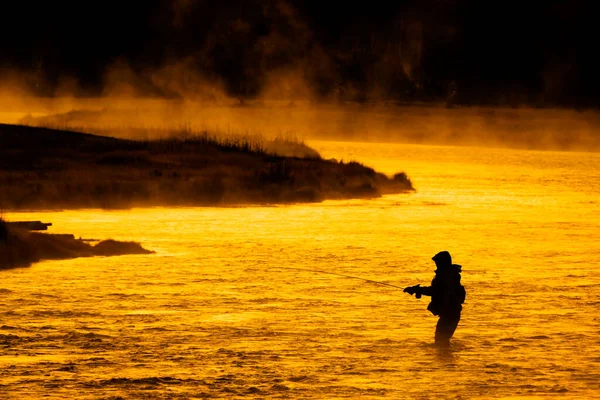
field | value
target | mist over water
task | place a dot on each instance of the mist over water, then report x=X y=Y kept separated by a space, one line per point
x=216 y=312
x=308 y=119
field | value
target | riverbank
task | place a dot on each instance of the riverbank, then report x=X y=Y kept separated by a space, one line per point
x=21 y=248
x=44 y=168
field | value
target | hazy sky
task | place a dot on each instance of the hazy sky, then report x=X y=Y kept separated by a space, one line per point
x=498 y=52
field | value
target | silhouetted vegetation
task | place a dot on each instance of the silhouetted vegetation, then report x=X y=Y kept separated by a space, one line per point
x=44 y=168
x=3 y=230
x=21 y=248
x=127 y=125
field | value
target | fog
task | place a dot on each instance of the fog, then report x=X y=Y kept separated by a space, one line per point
x=270 y=71
x=125 y=115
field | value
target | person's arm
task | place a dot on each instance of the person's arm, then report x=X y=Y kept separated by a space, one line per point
x=426 y=290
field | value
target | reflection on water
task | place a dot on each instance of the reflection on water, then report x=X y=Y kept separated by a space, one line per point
x=217 y=312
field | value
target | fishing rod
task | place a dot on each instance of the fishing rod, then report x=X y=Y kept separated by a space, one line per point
x=342 y=275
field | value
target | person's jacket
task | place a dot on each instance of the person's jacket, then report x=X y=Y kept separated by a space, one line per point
x=446 y=291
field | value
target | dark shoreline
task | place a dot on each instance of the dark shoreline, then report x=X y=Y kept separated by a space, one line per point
x=50 y=169
x=22 y=248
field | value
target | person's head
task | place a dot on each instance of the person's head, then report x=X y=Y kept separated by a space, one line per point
x=442 y=259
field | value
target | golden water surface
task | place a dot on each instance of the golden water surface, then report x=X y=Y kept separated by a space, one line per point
x=222 y=309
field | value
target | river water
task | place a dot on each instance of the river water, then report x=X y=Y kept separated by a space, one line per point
x=230 y=305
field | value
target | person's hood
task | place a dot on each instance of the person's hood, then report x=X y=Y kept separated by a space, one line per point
x=442 y=258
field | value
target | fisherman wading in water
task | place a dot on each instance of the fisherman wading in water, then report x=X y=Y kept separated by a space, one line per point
x=447 y=295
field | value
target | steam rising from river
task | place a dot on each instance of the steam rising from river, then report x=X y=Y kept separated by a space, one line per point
x=295 y=85
x=287 y=106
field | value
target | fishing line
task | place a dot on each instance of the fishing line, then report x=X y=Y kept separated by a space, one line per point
x=342 y=275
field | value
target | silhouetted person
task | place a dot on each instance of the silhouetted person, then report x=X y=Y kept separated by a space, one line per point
x=447 y=295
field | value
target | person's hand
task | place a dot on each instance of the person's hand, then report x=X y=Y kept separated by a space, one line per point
x=411 y=290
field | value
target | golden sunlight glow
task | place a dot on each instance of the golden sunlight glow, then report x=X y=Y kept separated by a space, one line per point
x=219 y=306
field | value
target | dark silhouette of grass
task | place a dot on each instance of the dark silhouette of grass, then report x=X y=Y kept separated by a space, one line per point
x=21 y=248
x=3 y=230
x=43 y=168
x=282 y=145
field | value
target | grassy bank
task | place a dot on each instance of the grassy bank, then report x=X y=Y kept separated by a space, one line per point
x=20 y=248
x=44 y=168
